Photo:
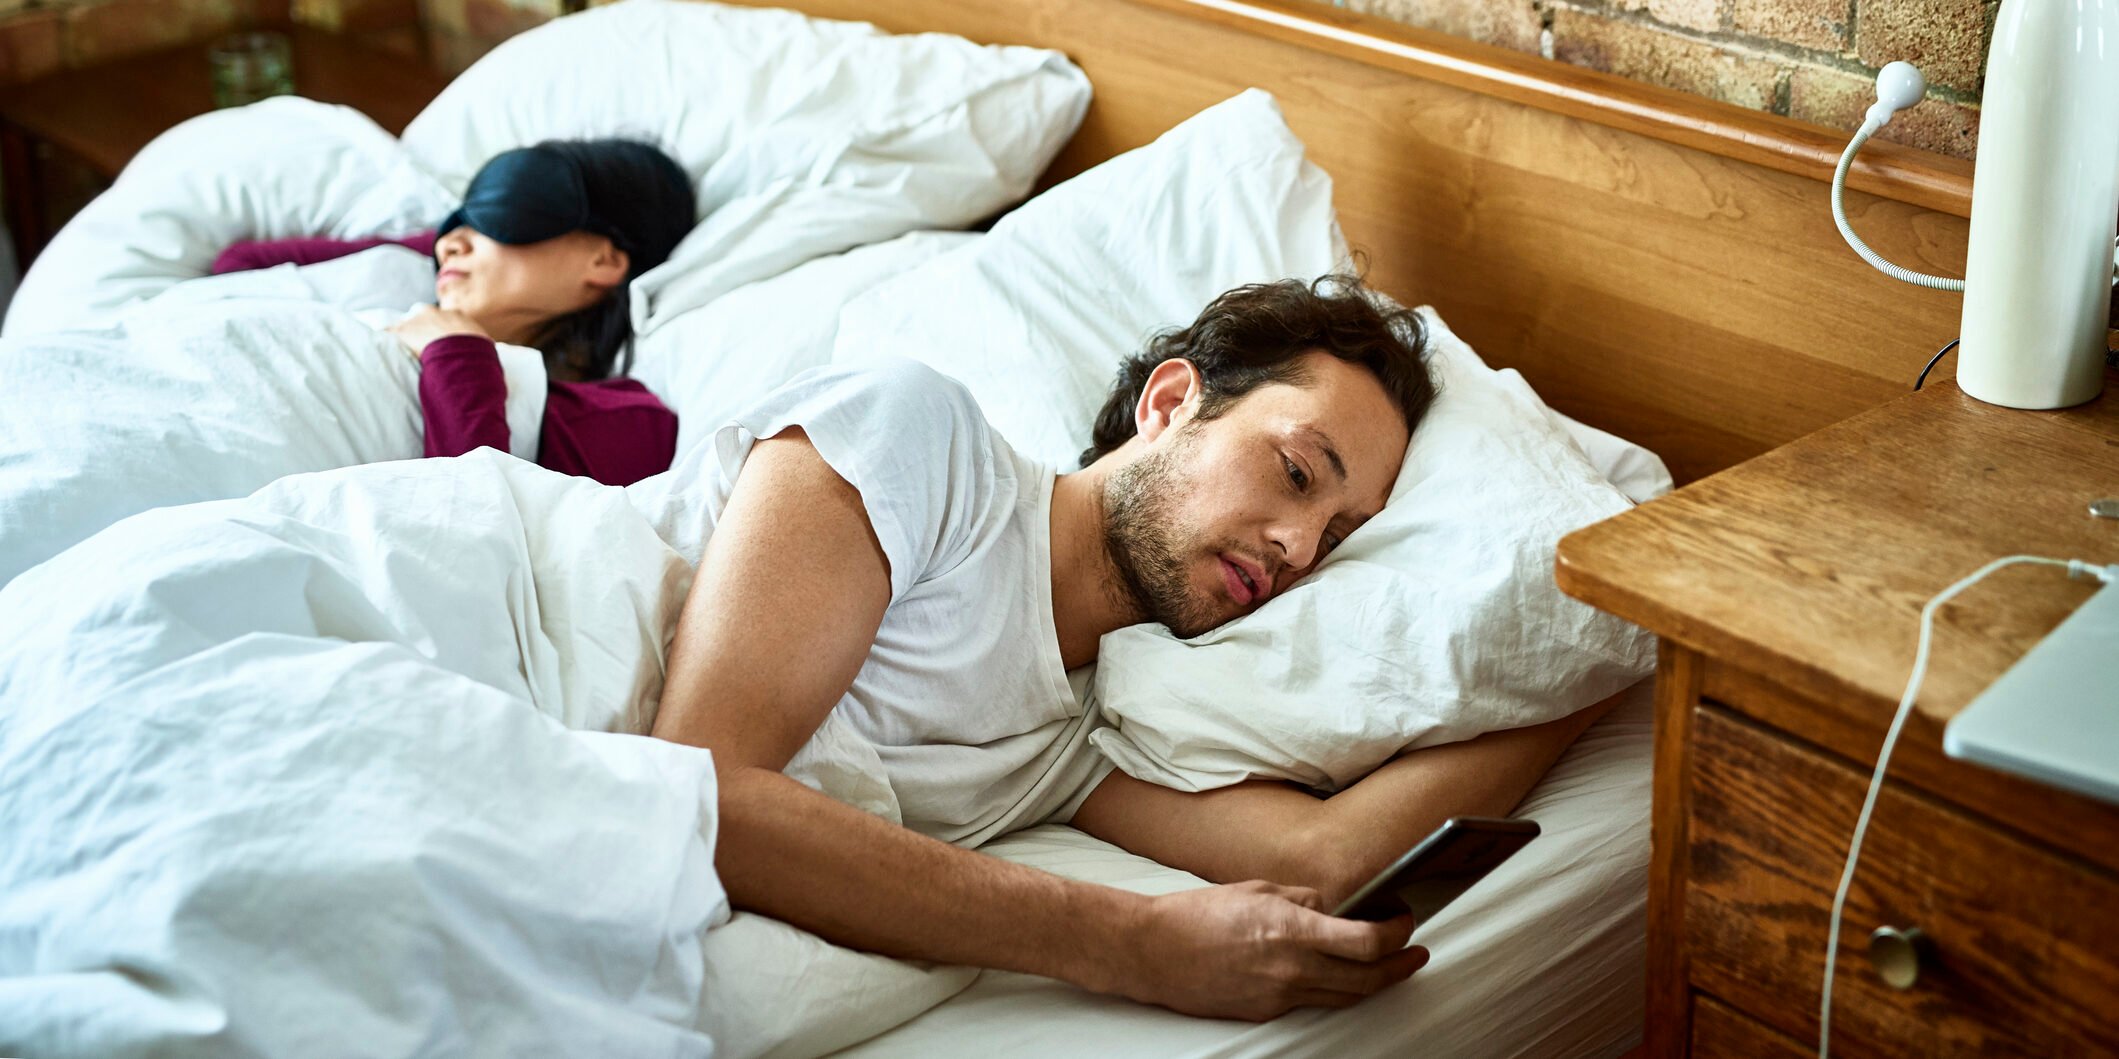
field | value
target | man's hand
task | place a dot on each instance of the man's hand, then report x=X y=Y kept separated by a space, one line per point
x=1253 y=950
x=427 y=323
x=795 y=571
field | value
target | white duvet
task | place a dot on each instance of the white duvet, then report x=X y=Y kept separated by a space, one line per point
x=332 y=764
x=214 y=389
x=348 y=760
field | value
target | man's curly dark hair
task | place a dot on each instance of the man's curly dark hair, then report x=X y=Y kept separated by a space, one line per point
x=1258 y=334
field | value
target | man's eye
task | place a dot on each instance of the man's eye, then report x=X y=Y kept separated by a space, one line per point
x=1331 y=541
x=1295 y=475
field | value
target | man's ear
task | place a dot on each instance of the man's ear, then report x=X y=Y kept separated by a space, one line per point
x=1170 y=398
x=607 y=268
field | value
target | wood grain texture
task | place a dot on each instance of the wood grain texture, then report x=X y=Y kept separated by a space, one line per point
x=2059 y=820
x=1811 y=564
x=1722 y=1032
x=1890 y=170
x=1694 y=300
x=1677 y=693
x=2026 y=950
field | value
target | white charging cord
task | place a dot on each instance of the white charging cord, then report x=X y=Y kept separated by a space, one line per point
x=1898 y=86
x=2076 y=568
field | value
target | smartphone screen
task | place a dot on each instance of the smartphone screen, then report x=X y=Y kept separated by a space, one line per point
x=1444 y=865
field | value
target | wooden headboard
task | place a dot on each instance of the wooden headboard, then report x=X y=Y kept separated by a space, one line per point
x=1656 y=264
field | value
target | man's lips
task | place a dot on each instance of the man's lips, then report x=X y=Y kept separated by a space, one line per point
x=1246 y=581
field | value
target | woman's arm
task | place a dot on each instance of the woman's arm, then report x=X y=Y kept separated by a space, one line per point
x=463 y=395
x=250 y=254
x=1282 y=833
x=613 y=430
x=463 y=392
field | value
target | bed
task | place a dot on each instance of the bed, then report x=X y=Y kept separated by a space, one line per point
x=1633 y=253
x=208 y=387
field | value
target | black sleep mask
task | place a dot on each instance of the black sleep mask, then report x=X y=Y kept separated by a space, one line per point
x=529 y=195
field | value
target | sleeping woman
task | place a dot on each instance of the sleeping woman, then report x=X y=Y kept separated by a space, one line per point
x=541 y=254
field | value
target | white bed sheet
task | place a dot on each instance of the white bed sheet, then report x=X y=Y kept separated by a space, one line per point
x=1547 y=957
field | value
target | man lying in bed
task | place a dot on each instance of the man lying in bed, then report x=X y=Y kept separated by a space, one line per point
x=886 y=572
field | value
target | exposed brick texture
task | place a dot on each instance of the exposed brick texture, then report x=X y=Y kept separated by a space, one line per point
x=1508 y=23
x=1819 y=24
x=1838 y=99
x=1945 y=38
x=1647 y=53
x=1689 y=14
x=1815 y=60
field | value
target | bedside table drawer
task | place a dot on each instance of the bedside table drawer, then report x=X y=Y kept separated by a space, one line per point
x=2025 y=942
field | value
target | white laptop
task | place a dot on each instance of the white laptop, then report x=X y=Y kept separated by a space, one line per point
x=2054 y=716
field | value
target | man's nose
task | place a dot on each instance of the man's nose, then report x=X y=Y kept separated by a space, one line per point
x=1300 y=540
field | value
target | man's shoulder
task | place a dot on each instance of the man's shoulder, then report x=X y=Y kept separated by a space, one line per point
x=906 y=379
x=911 y=395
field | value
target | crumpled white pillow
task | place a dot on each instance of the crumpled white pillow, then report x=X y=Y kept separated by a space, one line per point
x=805 y=136
x=1436 y=621
x=279 y=169
x=1035 y=316
x=710 y=363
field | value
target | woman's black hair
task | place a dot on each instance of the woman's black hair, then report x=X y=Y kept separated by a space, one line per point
x=591 y=343
x=643 y=196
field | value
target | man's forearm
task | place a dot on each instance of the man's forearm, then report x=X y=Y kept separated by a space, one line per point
x=1362 y=829
x=861 y=881
x=1274 y=831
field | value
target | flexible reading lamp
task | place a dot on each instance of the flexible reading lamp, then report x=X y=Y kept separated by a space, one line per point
x=2045 y=201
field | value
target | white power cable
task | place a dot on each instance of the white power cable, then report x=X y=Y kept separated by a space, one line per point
x=1898 y=86
x=1846 y=230
x=2076 y=568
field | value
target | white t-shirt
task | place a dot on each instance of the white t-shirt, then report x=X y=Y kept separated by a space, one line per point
x=963 y=723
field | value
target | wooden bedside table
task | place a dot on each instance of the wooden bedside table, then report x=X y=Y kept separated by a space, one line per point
x=100 y=116
x=1787 y=593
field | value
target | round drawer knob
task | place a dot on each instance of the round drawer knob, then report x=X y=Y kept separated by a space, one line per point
x=1898 y=953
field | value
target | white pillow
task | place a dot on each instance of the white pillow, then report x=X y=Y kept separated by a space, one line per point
x=712 y=362
x=1441 y=621
x=1035 y=317
x=1630 y=468
x=1434 y=622
x=805 y=136
x=278 y=169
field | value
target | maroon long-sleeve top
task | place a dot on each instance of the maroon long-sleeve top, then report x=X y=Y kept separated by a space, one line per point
x=612 y=430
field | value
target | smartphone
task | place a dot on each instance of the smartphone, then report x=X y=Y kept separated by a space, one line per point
x=1442 y=866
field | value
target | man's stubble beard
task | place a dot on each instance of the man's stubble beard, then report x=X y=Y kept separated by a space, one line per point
x=1140 y=540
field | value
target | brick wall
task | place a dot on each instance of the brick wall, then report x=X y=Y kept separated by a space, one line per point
x=1815 y=60
x=1810 y=59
